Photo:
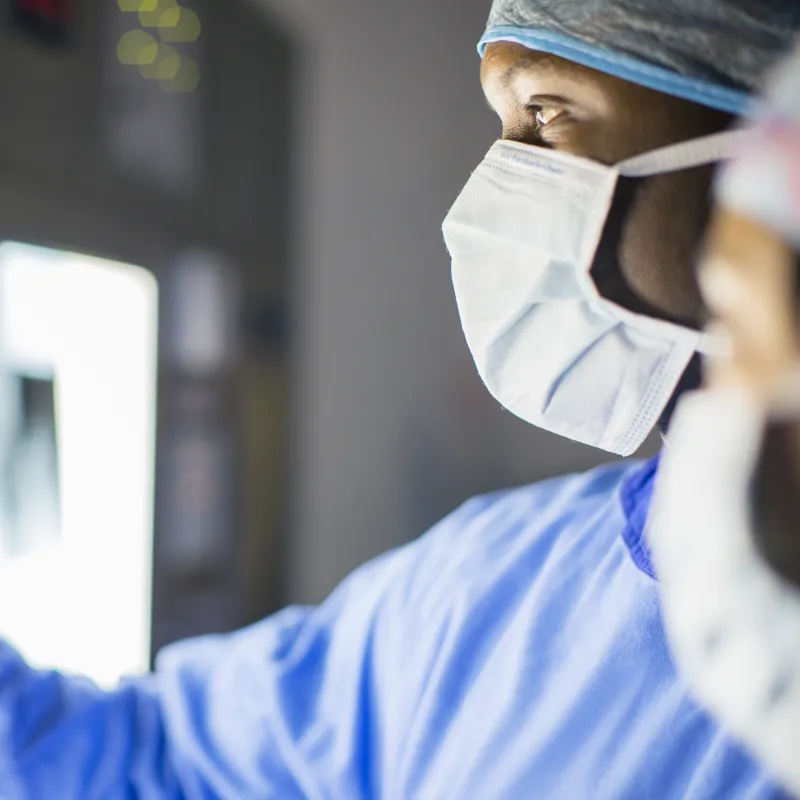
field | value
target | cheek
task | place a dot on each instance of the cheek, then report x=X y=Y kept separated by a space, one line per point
x=661 y=240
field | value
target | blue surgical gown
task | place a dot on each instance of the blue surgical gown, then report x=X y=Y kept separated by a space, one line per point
x=514 y=652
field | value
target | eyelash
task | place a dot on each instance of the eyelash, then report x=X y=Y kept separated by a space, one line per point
x=537 y=110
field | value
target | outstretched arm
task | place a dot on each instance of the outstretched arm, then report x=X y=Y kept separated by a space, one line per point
x=279 y=710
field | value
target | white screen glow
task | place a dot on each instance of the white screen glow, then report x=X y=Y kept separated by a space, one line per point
x=82 y=603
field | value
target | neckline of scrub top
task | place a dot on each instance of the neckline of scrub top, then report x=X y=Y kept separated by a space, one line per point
x=636 y=495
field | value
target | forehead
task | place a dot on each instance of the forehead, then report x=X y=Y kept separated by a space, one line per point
x=510 y=67
x=504 y=60
x=512 y=74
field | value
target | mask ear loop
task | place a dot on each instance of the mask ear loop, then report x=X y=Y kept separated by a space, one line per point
x=684 y=155
x=688 y=155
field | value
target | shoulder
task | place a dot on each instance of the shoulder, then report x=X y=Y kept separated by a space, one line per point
x=514 y=512
x=476 y=543
x=487 y=544
x=489 y=563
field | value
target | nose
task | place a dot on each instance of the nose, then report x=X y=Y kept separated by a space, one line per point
x=520 y=126
x=518 y=119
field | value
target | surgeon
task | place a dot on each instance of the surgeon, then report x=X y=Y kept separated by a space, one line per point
x=516 y=651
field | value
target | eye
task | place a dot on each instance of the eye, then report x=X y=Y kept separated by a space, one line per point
x=547 y=114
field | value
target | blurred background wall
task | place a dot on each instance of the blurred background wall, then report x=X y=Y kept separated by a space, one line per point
x=392 y=426
x=281 y=173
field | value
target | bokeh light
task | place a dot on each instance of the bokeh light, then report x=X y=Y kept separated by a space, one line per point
x=160 y=61
x=179 y=25
x=137 y=48
x=170 y=17
x=137 y=5
x=187 y=79
x=151 y=18
x=166 y=65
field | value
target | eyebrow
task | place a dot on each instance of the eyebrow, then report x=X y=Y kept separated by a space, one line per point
x=543 y=67
x=550 y=100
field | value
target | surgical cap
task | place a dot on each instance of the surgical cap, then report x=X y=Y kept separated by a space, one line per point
x=713 y=52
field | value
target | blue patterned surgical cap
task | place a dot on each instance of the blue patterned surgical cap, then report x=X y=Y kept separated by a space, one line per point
x=714 y=52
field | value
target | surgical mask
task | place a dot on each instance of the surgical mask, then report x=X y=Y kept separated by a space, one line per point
x=523 y=237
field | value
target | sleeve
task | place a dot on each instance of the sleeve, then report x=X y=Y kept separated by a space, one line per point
x=284 y=709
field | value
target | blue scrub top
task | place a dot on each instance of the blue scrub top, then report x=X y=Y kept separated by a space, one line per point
x=514 y=652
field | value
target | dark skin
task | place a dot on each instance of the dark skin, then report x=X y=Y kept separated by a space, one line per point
x=655 y=235
x=549 y=102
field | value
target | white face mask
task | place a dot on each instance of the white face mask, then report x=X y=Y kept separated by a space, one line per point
x=523 y=237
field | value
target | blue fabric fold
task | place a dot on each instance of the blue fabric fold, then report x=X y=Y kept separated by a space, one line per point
x=636 y=496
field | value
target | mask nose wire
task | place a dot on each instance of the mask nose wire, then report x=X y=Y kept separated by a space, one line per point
x=684 y=155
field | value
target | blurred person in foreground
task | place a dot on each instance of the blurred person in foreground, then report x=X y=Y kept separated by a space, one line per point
x=517 y=650
x=725 y=518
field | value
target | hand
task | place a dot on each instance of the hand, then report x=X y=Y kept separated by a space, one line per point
x=748 y=279
x=748 y=282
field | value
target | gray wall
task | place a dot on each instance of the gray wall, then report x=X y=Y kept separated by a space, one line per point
x=60 y=185
x=392 y=425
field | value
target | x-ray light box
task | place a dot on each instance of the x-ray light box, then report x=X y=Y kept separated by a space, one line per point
x=78 y=360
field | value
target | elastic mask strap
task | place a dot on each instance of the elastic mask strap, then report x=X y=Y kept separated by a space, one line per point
x=685 y=155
